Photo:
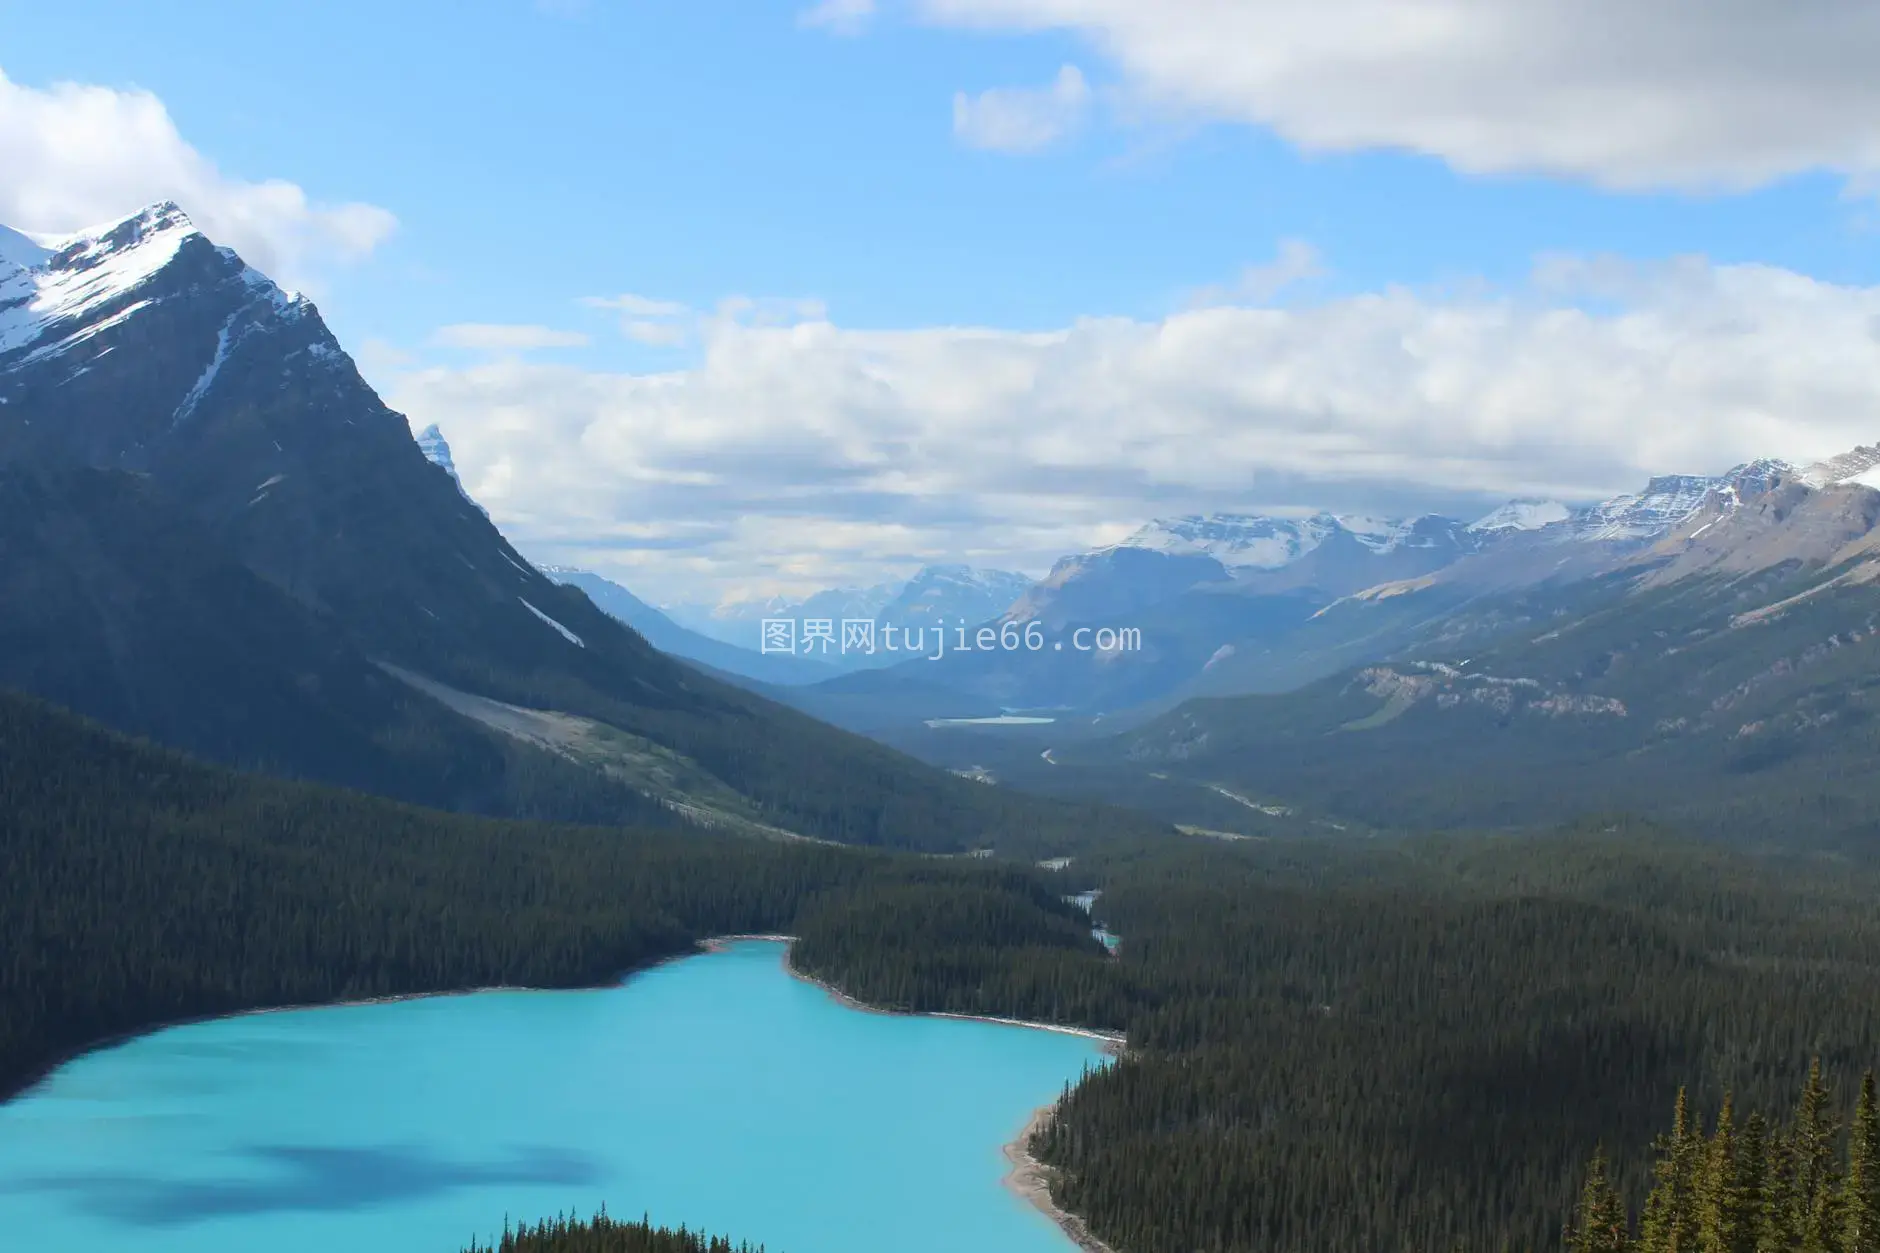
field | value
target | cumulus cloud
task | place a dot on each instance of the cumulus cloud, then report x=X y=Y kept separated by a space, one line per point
x=1690 y=94
x=505 y=337
x=1022 y=119
x=843 y=17
x=76 y=155
x=806 y=453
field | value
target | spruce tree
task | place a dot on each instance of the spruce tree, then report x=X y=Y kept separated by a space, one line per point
x=1860 y=1196
x=1752 y=1155
x=1719 y=1192
x=1816 y=1186
x=1670 y=1221
x=1601 y=1226
x=1779 y=1233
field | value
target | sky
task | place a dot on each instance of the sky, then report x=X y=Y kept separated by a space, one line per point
x=731 y=298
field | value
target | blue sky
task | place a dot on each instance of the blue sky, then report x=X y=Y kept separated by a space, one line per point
x=534 y=155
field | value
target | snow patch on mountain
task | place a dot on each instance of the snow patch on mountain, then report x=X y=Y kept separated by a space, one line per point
x=1857 y=465
x=566 y=634
x=1242 y=541
x=1522 y=515
x=53 y=298
x=1235 y=539
x=87 y=273
x=431 y=442
x=19 y=252
x=1669 y=499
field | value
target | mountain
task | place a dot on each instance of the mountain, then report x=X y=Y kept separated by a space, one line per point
x=1528 y=514
x=208 y=404
x=1110 y=582
x=1314 y=597
x=1259 y=542
x=206 y=654
x=740 y=622
x=1720 y=670
x=669 y=637
x=1857 y=465
x=1183 y=589
x=953 y=594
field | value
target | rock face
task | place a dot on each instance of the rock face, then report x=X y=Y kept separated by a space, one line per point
x=144 y=347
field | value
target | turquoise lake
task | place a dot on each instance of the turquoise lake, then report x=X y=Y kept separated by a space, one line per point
x=717 y=1091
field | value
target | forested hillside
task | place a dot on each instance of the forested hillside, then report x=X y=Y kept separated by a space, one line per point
x=138 y=888
x=1332 y=1045
x=1743 y=707
x=1413 y=1045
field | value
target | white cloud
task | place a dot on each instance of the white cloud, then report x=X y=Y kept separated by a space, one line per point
x=645 y=320
x=843 y=17
x=503 y=337
x=636 y=306
x=655 y=334
x=75 y=155
x=1676 y=93
x=811 y=454
x=1022 y=119
x=1296 y=262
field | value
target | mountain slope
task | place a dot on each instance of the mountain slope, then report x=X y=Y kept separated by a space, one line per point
x=1744 y=701
x=145 y=348
x=669 y=637
x=209 y=657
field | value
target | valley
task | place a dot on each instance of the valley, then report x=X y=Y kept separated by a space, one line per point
x=289 y=722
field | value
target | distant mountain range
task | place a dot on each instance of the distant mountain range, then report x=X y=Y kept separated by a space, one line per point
x=1224 y=604
x=1706 y=650
x=1237 y=604
x=934 y=594
x=215 y=534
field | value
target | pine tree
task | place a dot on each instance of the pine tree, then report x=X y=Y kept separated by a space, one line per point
x=1860 y=1196
x=1602 y=1225
x=1752 y=1157
x=1779 y=1233
x=1719 y=1192
x=1815 y=1182
x=1670 y=1221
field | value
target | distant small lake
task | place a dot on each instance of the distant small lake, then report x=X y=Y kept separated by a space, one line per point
x=998 y=720
x=717 y=1091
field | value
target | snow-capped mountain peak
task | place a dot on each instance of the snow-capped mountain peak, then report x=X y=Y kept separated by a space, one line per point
x=436 y=450
x=57 y=296
x=1255 y=541
x=1527 y=514
x=1670 y=498
x=431 y=442
x=1263 y=542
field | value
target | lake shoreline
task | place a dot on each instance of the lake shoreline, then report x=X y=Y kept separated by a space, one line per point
x=36 y=1079
x=1031 y=1180
x=1027 y=1177
x=1113 y=1041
